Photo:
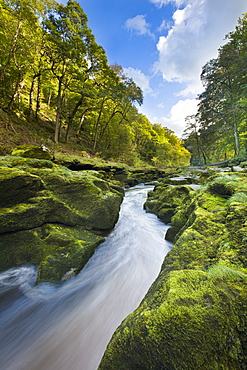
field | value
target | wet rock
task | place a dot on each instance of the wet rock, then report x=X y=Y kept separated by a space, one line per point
x=17 y=186
x=32 y=151
x=164 y=200
x=194 y=315
x=190 y=319
x=76 y=246
x=37 y=194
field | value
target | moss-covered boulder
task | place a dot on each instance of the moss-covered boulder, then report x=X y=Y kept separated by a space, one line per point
x=76 y=246
x=195 y=314
x=120 y=172
x=57 y=248
x=36 y=194
x=191 y=319
x=164 y=200
x=17 y=186
x=32 y=151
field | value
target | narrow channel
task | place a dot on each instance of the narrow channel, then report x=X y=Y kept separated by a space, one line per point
x=68 y=327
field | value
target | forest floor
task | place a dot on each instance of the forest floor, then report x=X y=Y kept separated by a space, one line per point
x=16 y=131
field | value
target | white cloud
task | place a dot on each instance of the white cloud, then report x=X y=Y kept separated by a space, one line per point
x=165 y=25
x=160 y=3
x=194 y=88
x=139 y=78
x=198 y=31
x=176 y=118
x=138 y=25
x=179 y=16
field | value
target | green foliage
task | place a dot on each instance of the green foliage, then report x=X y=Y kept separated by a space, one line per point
x=221 y=120
x=51 y=67
x=223 y=272
x=238 y=198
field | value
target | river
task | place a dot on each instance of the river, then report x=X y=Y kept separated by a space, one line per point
x=67 y=327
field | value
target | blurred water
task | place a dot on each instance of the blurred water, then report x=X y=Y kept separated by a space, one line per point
x=68 y=327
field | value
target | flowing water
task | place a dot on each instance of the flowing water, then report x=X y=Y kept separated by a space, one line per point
x=68 y=327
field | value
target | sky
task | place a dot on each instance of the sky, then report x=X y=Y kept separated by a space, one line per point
x=162 y=45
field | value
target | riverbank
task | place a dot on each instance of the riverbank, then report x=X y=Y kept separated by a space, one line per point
x=55 y=210
x=194 y=315
x=68 y=326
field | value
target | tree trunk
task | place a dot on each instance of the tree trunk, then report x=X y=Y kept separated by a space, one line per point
x=30 y=113
x=83 y=118
x=71 y=117
x=30 y=110
x=38 y=96
x=16 y=92
x=235 y=129
x=235 y=126
x=96 y=126
x=81 y=123
x=49 y=99
x=106 y=125
x=59 y=110
x=12 y=50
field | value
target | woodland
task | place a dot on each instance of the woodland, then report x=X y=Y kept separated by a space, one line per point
x=53 y=74
x=57 y=81
x=219 y=130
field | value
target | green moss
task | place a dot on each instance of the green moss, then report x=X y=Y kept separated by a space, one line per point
x=24 y=163
x=19 y=248
x=76 y=246
x=32 y=151
x=41 y=209
x=194 y=315
x=196 y=321
x=38 y=193
x=17 y=186
x=165 y=200
x=227 y=184
x=55 y=247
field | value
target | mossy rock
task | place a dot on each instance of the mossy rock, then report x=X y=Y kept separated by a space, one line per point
x=194 y=315
x=21 y=247
x=69 y=197
x=36 y=193
x=32 y=151
x=193 y=250
x=44 y=208
x=120 y=172
x=17 y=186
x=215 y=207
x=180 y=180
x=227 y=184
x=189 y=320
x=164 y=200
x=76 y=246
x=25 y=164
x=55 y=247
x=93 y=198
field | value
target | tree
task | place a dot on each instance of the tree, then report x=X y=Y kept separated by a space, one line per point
x=225 y=80
x=116 y=95
x=71 y=49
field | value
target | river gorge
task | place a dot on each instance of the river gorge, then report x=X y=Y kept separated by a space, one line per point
x=141 y=294
x=68 y=327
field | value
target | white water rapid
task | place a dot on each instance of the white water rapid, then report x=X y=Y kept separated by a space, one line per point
x=68 y=327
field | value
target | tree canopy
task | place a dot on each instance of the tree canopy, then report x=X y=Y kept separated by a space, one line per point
x=221 y=130
x=52 y=69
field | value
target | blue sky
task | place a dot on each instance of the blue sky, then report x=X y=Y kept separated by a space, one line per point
x=162 y=45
